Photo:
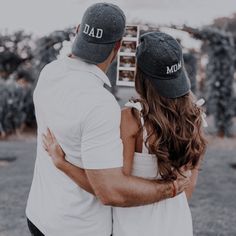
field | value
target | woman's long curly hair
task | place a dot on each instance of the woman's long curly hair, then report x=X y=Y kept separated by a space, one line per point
x=175 y=133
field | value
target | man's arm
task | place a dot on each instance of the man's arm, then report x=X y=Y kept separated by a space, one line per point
x=113 y=188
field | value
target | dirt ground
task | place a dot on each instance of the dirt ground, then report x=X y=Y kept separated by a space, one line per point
x=213 y=205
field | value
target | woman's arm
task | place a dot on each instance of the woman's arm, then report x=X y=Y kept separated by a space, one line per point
x=78 y=175
x=128 y=130
x=55 y=151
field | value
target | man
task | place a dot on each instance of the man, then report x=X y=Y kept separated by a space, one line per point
x=70 y=98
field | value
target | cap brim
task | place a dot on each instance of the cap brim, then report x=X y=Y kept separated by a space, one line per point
x=91 y=52
x=174 y=87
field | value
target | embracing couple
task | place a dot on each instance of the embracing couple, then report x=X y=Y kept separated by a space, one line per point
x=100 y=171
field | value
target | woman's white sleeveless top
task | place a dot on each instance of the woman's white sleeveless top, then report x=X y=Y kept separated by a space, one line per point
x=171 y=217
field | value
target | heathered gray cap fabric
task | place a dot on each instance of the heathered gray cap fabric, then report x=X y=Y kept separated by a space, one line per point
x=103 y=24
x=160 y=57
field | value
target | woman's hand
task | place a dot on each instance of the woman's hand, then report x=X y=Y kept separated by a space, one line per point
x=77 y=174
x=54 y=149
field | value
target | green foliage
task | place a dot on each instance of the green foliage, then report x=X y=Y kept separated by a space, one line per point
x=21 y=60
x=48 y=48
x=22 y=57
x=16 y=106
x=190 y=63
x=220 y=70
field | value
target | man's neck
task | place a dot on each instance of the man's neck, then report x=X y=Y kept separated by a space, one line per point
x=102 y=66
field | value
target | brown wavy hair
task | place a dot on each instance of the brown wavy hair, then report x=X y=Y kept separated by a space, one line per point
x=175 y=133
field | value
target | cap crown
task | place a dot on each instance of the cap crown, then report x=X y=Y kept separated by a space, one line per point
x=102 y=23
x=160 y=56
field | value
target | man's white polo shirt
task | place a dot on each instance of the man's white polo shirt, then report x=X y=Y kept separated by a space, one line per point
x=70 y=99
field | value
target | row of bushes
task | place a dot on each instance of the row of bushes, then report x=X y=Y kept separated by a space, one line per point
x=16 y=107
x=22 y=58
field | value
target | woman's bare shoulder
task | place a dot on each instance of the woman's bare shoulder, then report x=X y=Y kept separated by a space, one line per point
x=129 y=122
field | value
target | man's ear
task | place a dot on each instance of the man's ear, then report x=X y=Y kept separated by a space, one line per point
x=116 y=49
x=77 y=29
x=117 y=46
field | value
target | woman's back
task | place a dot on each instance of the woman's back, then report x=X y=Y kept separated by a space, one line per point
x=168 y=217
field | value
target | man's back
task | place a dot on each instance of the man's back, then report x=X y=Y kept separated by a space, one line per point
x=67 y=93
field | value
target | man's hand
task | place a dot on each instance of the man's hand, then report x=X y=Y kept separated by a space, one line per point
x=181 y=183
x=183 y=180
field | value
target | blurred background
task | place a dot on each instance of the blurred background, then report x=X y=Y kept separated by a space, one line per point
x=34 y=33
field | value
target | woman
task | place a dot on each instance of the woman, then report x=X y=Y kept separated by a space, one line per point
x=162 y=136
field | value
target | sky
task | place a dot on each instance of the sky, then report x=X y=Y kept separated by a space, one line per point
x=43 y=16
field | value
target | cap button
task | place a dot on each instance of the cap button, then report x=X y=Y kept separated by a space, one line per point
x=162 y=39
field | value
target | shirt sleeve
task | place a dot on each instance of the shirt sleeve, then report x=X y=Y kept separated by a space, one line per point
x=101 y=146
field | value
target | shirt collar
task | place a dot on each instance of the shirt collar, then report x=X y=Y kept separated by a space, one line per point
x=77 y=63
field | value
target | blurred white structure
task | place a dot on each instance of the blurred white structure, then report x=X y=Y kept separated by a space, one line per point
x=46 y=16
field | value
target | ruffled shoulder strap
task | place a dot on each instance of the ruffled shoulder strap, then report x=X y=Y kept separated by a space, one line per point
x=138 y=106
x=200 y=103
